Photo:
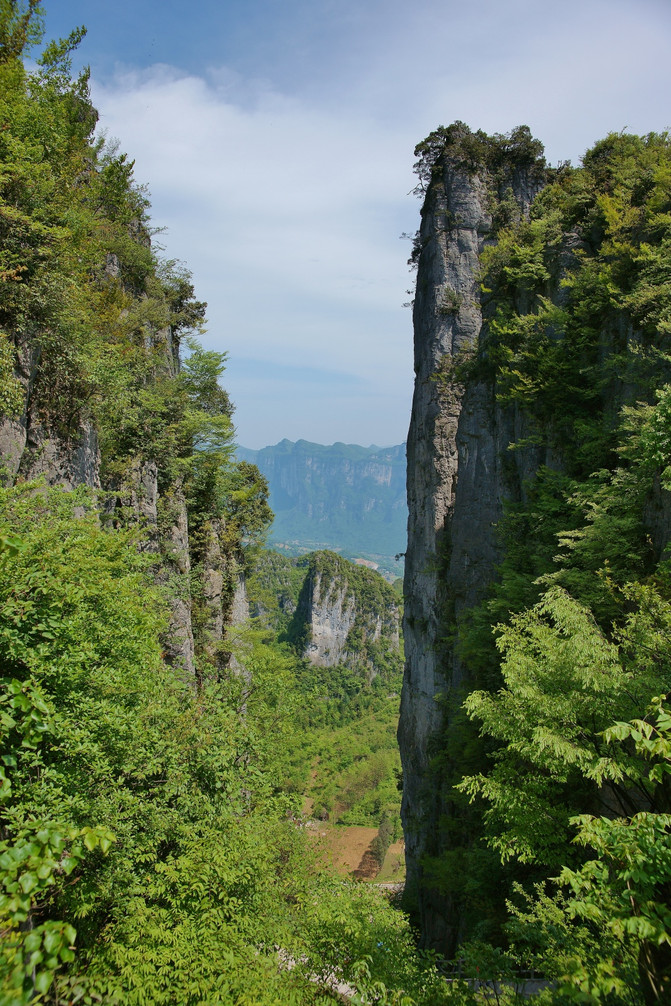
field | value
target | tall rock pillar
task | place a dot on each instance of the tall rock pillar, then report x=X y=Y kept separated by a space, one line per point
x=455 y=443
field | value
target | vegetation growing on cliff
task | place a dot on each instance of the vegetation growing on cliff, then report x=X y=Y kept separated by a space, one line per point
x=500 y=154
x=148 y=849
x=285 y=594
x=573 y=635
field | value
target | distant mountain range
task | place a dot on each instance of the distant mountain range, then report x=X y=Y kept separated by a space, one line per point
x=344 y=497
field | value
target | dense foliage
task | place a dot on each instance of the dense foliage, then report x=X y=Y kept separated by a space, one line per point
x=573 y=636
x=150 y=844
x=149 y=851
x=348 y=712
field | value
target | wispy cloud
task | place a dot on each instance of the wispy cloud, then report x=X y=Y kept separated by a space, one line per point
x=289 y=219
x=282 y=172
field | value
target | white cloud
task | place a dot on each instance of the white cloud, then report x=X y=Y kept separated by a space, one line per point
x=287 y=202
x=289 y=219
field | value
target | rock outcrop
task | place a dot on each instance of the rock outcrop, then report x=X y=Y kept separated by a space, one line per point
x=330 y=615
x=477 y=451
x=349 y=612
x=458 y=476
x=333 y=611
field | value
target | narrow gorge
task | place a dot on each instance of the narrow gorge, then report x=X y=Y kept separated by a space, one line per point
x=186 y=714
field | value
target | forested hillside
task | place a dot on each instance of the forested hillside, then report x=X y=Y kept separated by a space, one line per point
x=149 y=848
x=535 y=725
x=338 y=626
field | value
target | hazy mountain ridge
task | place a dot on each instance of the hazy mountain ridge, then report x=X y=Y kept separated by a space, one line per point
x=343 y=496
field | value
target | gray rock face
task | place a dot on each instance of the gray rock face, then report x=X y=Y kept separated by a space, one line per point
x=461 y=472
x=14 y=430
x=224 y=593
x=239 y=610
x=456 y=483
x=347 y=615
x=29 y=450
x=68 y=463
x=332 y=614
x=213 y=592
x=53 y=437
x=176 y=569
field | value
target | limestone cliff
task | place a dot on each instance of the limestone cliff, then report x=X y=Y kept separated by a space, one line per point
x=350 y=615
x=332 y=611
x=456 y=447
x=31 y=450
x=95 y=420
x=462 y=470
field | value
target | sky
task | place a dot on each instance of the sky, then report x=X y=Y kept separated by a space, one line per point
x=276 y=139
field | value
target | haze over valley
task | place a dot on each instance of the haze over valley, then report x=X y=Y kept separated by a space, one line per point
x=343 y=497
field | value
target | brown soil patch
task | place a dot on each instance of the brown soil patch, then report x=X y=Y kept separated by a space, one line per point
x=343 y=847
x=393 y=868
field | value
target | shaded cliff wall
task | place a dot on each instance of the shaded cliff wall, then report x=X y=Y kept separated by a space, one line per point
x=458 y=475
x=535 y=323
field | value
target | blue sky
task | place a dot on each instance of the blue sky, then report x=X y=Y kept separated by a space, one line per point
x=276 y=138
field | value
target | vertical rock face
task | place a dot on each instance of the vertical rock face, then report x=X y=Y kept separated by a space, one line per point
x=136 y=498
x=331 y=614
x=342 y=626
x=345 y=614
x=92 y=389
x=32 y=447
x=456 y=478
x=175 y=568
x=505 y=425
x=29 y=449
x=239 y=609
